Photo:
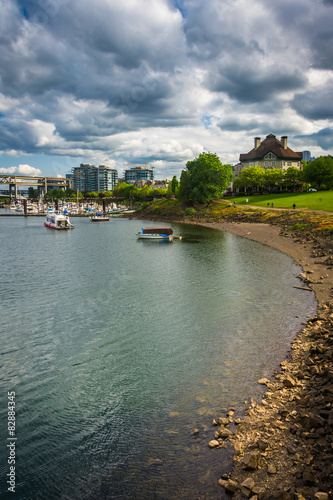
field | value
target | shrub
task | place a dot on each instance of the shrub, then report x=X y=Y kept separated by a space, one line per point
x=190 y=211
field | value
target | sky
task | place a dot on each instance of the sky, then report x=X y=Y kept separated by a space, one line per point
x=158 y=82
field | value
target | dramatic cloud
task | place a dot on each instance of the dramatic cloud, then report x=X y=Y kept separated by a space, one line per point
x=162 y=80
x=21 y=170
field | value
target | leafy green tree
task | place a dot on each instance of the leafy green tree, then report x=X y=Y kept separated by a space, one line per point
x=68 y=192
x=252 y=177
x=184 y=191
x=207 y=178
x=174 y=185
x=292 y=176
x=122 y=190
x=319 y=172
x=273 y=177
x=32 y=193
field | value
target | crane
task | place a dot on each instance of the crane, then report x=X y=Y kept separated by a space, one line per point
x=137 y=166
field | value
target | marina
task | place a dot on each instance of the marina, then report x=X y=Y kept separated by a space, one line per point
x=153 y=341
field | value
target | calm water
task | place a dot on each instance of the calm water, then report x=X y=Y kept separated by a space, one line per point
x=118 y=348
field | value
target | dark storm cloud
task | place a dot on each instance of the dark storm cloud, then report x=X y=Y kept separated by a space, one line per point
x=247 y=85
x=323 y=138
x=317 y=104
x=234 y=124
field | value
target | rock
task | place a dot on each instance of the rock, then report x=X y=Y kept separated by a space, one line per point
x=308 y=476
x=248 y=483
x=251 y=460
x=262 y=444
x=237 y=448
x=195 y=431
x=259 y=491
x=288 y=382
x=284 y=412
x=223 y=421
x=321 y=495
x=225 y=433
x=213 y=443
x=229 y=485
x=271 y=469
x=263 y=381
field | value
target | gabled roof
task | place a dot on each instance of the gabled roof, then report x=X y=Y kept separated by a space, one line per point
x=270 y=145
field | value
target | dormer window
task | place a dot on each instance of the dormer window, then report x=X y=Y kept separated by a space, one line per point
x=270 y=156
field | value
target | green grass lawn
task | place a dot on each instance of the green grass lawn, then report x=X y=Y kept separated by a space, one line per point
x=321 y=200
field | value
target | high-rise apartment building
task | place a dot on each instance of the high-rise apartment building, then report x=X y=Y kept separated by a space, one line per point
x=139 y=174
x=88 y=178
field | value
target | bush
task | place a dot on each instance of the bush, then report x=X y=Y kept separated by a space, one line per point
x=190 y=211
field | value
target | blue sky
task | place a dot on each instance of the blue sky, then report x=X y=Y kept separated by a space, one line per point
x=160 y=81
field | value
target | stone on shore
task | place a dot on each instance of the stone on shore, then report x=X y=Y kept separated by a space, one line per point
x=263 y=381
x=251 y=460
x=230 y=485
x=213 y=444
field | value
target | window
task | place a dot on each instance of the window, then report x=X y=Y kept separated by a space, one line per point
x=266 y=164
x=289 y=163
x=273 y=164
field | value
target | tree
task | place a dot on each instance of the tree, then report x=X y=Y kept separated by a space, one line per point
x=273 y=176
x=319 y=172
x=252 y=177
x=292 y=176
x=32 y=193
x=206 y=178
x=184 y=191
x=174 y=185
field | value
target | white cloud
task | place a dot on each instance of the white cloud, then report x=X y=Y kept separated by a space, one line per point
x=90 y=80
x=22 y=170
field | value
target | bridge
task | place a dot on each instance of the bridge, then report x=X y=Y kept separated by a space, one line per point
x=41 y=183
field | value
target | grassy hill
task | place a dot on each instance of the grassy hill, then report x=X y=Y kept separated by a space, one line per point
x=321 y=200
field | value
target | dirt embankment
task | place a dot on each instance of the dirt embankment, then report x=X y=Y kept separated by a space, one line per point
x=283 y=447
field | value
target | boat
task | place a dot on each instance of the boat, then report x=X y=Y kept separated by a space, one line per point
x=156 y=233
x=99 y=218
x=55 y=220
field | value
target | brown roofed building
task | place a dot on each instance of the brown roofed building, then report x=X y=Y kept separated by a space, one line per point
x=271 y=153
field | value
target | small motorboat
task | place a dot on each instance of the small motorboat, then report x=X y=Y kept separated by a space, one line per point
x=54 y=220
x=156 y=233
x=99 y=218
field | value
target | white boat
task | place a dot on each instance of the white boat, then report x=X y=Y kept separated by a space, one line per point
x=32 y=209
x=156 y=233
x=99 y=218
x=55 y=220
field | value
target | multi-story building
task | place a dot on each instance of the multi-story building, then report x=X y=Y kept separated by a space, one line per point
x=89 y=178
x=139 y=173
x=306 y=156
x=270 y=153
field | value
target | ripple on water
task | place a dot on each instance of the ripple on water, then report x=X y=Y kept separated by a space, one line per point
x=118 y=350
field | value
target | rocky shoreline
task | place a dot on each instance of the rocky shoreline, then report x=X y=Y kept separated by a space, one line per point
x=283 y=446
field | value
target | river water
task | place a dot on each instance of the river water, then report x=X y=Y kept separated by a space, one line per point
x=117 y=348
